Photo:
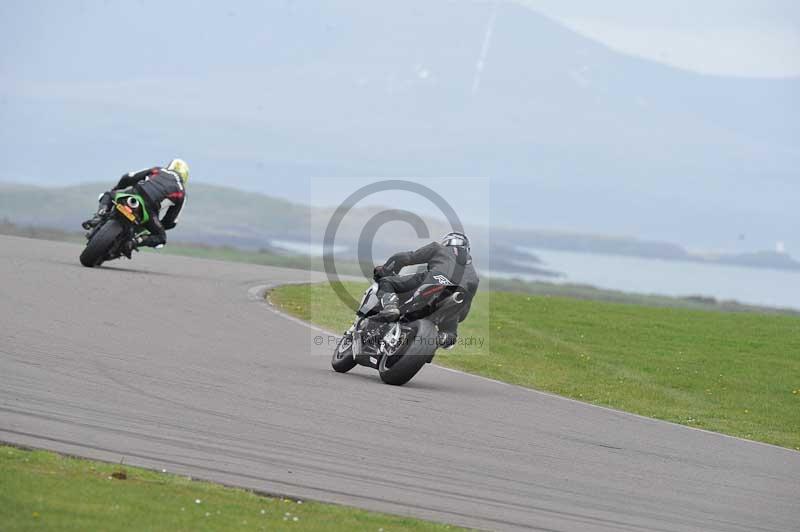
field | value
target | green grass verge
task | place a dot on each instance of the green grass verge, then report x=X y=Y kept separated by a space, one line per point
x=735 y=373
x=45 y=491
x=264 y=258
x=272 y=258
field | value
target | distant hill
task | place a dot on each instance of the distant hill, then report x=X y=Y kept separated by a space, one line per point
x=269 y=94
x=221 y=216
x=214 y=215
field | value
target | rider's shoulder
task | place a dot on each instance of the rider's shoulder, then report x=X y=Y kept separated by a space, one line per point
x=143 y=170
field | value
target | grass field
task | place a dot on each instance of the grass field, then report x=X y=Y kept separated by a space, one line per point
x=45 y=491
x=736 y=373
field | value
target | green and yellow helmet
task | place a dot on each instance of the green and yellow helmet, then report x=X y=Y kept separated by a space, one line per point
x=180 y=167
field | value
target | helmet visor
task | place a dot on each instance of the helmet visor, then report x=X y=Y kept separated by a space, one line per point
x=454 y=241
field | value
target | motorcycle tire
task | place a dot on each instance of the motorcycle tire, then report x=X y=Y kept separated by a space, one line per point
x=401 y=368
x=342 y=360
x=101 y=242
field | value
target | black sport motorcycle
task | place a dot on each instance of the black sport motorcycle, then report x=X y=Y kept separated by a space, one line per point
x=111 y=238
x=398 y=350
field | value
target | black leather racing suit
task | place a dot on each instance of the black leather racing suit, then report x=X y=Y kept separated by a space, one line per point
x=158 y=186
x=453 y=262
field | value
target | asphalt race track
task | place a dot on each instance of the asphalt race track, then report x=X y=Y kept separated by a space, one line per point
x=172 y=363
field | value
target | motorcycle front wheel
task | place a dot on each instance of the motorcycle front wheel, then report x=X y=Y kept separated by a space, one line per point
x=342 y=360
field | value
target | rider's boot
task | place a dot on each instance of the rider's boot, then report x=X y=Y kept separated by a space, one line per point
x=92 y=222
x=390 y=311
x=105 y=205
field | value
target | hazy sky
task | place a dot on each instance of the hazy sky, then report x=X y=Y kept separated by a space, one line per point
x=252 y=91
x=730 y=37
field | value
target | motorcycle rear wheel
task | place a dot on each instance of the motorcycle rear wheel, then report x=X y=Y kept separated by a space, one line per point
x=421 y=346
x=98 y=247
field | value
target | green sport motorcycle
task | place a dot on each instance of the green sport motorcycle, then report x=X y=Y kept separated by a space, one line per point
x=118 y=228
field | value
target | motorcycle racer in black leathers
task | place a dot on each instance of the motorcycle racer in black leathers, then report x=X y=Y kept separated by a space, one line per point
x=160 y=187
x=449 y=258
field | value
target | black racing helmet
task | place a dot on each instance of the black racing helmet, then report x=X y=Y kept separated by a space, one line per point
x=456 y=238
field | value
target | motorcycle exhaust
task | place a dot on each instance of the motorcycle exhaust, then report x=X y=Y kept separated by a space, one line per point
x=132 y=202
x=447 y=306
x=452 y=301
